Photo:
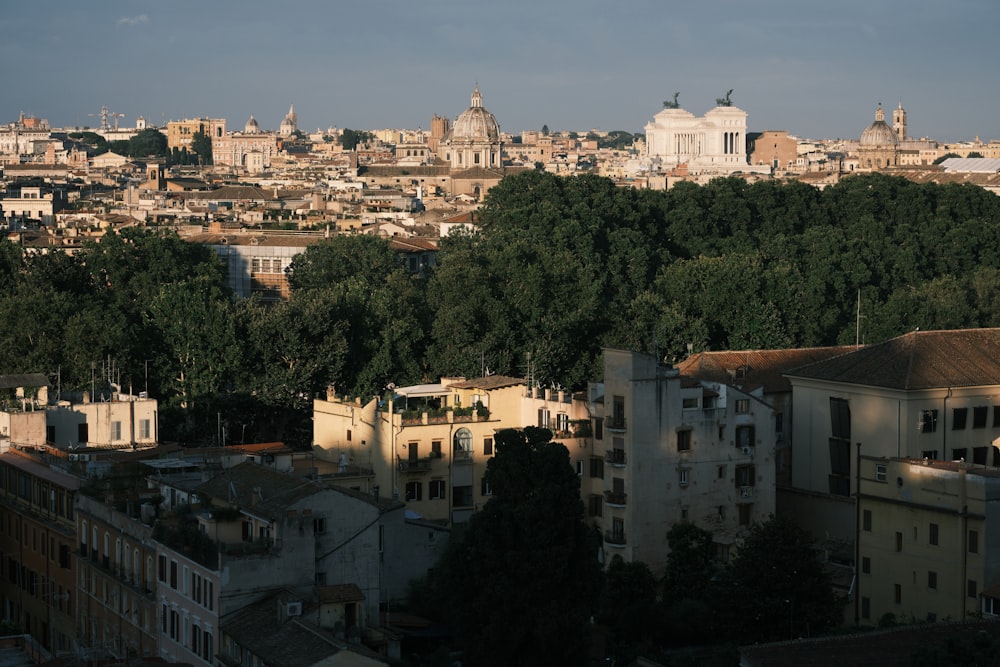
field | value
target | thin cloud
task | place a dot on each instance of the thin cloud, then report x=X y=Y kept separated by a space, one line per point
x=133 y=20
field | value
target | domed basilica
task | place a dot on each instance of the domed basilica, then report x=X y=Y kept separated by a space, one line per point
x=471 y=148
x=879 y=144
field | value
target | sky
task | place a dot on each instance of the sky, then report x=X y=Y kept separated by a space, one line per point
x=815 y=68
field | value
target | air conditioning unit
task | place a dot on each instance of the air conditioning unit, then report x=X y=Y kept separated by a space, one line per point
x=293 y=608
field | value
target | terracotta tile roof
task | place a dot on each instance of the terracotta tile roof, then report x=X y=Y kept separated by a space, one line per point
x=259 y=490
x=917 y=360
x=760 y=368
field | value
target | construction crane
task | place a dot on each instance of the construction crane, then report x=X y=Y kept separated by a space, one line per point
x=104 y=118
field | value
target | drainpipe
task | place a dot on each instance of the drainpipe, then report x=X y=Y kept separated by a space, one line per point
x=857 y=538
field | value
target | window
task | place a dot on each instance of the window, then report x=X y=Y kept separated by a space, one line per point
x=958 y=417
x=745 y=476
x=684 y=440
x=721 y=472
x=928 y=421
x=745 y=437
x=162 y=563
x=979 y=416
x=173 y=574
x=595 y=506
x=144 y=429
x=866 y=565
x=436 y=491
x=618 y=414
x=931 y=454
x=973 y=541
x=866 y=605
x=206 y=646
x=484 y=487
x=319 y=525
x=598 y=428
x=746 y=514
x=413 y=491
x=899 y=541
x=897 y=590
x=435 y=449
x=462 y=496
x=840 y=467
x=722 y=512
x=682 y=476
x=596 y=467
x=932 y=580
x=116 y=430
x=959 y=454
x=579 y=469
x=688 y=403
x=488 y=446
x=971 y=590
x=779 y=423
x=840 y=418
x=866 y=521
x=996 y=416
x=932 y=534
x=879 y=472
x=562 y=422
x=742 y=406
x=463 y=440
x=543 y=418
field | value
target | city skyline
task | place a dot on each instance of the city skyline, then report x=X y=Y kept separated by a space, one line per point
x=818 y=72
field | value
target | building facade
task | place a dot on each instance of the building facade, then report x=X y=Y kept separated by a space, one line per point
x=928 y=551
x=675 y=451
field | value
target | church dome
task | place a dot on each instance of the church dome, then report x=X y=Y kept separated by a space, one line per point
x=879 y=133
x=252 y=127
x=476 y=123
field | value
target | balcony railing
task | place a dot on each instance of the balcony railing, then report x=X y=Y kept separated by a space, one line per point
x=416 y=465
x=615 y=538
x=615 y=498
x=746 y=492
x=462 y=457
x=614 y=423
x=615 y=457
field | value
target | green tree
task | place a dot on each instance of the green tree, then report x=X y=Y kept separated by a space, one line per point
x=201 y=146
x=364 y=257
x=545 y=130
x=776 y=587
x=350 y=139
x=524 y=579
x=147 y=143
x=629 y=606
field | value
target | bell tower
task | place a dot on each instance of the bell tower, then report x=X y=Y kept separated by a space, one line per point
x=899 y=121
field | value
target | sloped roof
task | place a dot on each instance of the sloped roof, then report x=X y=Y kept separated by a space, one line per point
x=761 y=368
x=336 y=593
x=917 y=360
x=256 y=628
x=259 y=490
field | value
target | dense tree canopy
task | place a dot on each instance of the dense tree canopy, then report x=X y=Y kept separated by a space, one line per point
x=559 y=268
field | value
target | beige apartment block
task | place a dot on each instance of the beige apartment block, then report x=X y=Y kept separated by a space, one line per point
x=931 y=395
x=429 y=444
x=180 y=133
x=927 y=551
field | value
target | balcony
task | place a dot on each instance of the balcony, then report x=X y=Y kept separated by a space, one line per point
x=462 y=457
x=615 y=498
x=746 y=492
x=614 y=538
x=615 y=458
x=616 y=423
x=415 y=465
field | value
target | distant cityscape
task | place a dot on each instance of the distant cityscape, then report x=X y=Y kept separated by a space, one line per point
x=117 y=547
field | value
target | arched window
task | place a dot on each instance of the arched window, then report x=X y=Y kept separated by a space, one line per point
x=463 y=441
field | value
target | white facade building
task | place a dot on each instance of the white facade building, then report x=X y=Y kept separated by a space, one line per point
x=675 y=451
x=713 y=143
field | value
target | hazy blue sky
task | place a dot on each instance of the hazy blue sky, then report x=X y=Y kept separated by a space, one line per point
x=814 y=68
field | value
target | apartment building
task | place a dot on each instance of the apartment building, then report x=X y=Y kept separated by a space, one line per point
x=931 y=395
x=116 y=582
x=429 y=445
x=180 y=133
x=37 y=538
x=669 y=450
x=928 y=550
